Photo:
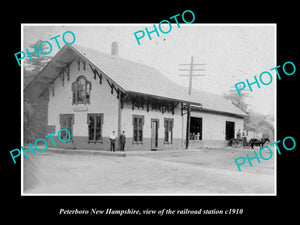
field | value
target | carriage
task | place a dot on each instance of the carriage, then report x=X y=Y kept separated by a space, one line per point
x=238 y=142
x=241 y=142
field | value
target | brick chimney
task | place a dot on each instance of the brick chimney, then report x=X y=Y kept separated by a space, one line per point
x=114 y=48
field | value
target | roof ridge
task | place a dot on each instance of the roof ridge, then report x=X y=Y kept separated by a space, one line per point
x=81 y=47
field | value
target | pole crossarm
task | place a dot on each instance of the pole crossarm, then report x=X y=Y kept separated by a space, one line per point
x=195 y=64
x=194 y=75
x=193 y=70
x=188 y=106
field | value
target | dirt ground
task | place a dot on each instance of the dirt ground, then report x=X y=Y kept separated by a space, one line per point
x=172 y=172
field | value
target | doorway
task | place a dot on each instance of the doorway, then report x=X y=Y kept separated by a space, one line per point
x=229 y=130
x=196 y=128
x=154 y=133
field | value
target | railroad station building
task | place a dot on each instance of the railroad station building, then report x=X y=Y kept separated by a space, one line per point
x=93 y=94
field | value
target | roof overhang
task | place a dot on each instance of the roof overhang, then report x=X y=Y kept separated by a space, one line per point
x=165 y=98
x=201 y=109
x=57 y=65
x=54 y=67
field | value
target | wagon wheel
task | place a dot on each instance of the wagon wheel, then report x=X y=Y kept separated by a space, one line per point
x=234 y=143
x=246 y=143
x=239 y=144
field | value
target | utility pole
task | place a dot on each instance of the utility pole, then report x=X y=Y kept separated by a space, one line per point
x=191 y=75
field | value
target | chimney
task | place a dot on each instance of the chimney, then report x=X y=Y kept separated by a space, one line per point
x=114 y=48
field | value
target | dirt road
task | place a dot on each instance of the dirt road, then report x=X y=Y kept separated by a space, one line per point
x=202 y=171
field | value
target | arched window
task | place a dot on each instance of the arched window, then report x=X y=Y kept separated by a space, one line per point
x=81 y=89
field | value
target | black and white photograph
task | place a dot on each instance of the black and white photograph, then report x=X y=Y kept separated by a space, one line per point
x=129 y=109
x=128 y=112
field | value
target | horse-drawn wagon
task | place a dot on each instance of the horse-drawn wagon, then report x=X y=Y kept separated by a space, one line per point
x=240 y=142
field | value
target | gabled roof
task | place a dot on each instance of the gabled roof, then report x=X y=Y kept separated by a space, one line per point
x=137 y=78
x=216 y=103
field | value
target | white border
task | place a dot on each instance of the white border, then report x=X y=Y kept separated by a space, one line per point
x=139 y=194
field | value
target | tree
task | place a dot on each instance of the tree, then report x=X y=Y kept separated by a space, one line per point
x=33 y=115
x=28 y=113
x=37 y=63
x=236 y=100
x=254 y=121
x=32 y=68
x=260 y=123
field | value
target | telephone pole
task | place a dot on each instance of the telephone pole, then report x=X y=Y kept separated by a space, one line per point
x=191 y=75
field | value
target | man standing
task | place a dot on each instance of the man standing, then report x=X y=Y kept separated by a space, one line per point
x=122 y=141
x=112 y=139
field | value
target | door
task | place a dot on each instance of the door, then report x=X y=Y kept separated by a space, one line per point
x=229 y=131
x=154 y=133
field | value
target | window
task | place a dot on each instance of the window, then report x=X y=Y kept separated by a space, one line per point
x=95 y=122
x=138 y=123
x=81 y=89
x=66 y=121
x=169 y=123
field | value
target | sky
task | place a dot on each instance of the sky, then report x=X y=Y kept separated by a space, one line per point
x=231 y=52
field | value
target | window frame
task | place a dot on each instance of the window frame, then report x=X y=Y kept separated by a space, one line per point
x=94 y=115
x=139 y=128
x=62 y=122
x=168 y=127
x=76 y=91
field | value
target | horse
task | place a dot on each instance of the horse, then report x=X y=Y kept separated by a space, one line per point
x=255 y=141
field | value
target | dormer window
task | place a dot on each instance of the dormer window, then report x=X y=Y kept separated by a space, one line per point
x=81 y=89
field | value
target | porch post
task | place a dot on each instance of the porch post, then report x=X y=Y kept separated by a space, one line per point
x=188 y=123
x=119 y=120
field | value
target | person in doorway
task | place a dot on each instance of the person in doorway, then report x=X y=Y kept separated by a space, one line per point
x=122 y=141
x=112 y=139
